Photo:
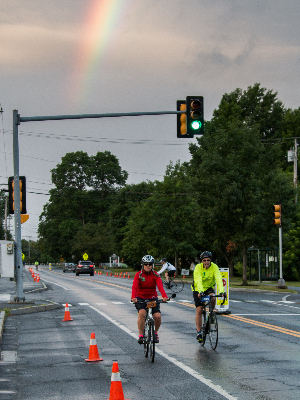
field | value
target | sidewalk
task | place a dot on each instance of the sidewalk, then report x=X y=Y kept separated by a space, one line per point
x=30 y=305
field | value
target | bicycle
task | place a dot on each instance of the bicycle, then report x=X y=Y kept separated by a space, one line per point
x=176 y=284
x=209 y=321
x=149 y=330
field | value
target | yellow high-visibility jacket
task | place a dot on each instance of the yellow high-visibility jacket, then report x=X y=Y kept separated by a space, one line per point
x=206 y=278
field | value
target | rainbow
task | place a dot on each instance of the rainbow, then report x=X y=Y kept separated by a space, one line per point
x=100 y=25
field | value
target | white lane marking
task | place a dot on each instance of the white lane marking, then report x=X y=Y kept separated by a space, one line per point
x=7 y=392
x=53 y=283
x=268 y=301
x=258 y=315
x=286 y=301
x=235 y=301
x=117 y=302
x=5 y=297
x=102 y=304
x=173 y=360
x=8 y=356
x=184 y=301
x=83 y=304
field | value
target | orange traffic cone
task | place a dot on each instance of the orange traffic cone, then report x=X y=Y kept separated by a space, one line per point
x=34 y=278
x=93 y=352
x=116 y=390
x=183 y=277
x=124 y=276
x=67 y=313
x=128 y=276
x=38 y=278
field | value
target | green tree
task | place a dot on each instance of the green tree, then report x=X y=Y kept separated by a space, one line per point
x=96 y=240
x=83 y=186
x=238 y=182
x=163 y=225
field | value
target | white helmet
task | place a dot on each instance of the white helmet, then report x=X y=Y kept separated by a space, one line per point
x=148 y=259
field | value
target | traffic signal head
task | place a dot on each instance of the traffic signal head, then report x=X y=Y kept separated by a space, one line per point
x=11 y=195
x=277 y=214
x=181 y=120
x=195 y=115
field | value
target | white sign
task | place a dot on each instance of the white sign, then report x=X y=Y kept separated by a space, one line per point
x=185 y=272
x=225 y=278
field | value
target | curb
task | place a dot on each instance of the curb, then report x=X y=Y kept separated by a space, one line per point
x=35 y=309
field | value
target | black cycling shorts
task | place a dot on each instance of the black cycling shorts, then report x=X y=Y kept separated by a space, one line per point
x=171 y=273
x=197 y=299
x=143 y=306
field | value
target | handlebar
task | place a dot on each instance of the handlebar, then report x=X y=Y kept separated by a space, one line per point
x=157 y=301
x=207 y=298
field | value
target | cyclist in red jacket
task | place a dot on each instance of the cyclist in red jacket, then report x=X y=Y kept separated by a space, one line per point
x=144 y=287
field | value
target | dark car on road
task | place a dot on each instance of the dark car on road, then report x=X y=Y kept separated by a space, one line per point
x=85 y=267
x=69 y=267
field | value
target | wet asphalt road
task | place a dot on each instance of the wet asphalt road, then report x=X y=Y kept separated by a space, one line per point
x=257 y=356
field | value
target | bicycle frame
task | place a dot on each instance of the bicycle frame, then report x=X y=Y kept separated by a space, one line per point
x=209 y=321
x=149 y=331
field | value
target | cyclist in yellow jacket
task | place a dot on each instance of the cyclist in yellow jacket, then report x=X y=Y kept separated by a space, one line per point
x=206 y=275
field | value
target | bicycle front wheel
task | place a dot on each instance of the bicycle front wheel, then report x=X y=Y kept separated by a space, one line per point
x=213 y=331
x=146 y=339
x=152 y=341
x=204 y=327
x=176 y=286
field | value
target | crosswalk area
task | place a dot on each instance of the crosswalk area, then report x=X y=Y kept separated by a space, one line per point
x=185 y=302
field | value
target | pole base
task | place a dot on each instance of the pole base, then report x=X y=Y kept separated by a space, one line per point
x=281 y=284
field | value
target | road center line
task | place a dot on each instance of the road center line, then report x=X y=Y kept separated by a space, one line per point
x=173 y=360
x=264 y=325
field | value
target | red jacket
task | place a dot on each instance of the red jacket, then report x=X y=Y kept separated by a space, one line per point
x=144 y=285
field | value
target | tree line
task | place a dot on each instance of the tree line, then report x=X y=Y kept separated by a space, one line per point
x=221 y=200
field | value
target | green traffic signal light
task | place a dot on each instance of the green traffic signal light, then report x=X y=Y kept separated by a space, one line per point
x=196 y=125
x=195 y=115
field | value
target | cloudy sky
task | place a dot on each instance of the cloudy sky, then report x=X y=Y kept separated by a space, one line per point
x=61 y=57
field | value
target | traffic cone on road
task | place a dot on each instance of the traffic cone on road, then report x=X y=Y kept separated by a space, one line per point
x=38 y=278
x=67 y=313
x=116 y=390
x=128 y=276
x=93 y=352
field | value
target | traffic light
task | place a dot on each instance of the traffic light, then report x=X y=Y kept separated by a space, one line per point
x=195 y=115
x=277 y=214
x=11 y=195
x=181 y=120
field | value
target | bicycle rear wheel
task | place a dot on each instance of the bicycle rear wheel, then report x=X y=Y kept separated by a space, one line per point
x=151 y=340
x=146 y=339
x=213 y=331
x=176 y=286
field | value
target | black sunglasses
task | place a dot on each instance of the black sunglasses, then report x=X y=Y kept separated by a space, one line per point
x=148 y=265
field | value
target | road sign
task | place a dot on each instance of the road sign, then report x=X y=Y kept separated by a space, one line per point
x=23 y=256
x=85 y=256
x=62 y=259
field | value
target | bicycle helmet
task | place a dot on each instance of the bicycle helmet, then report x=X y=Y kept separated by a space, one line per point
x=148 y=259
x=163 y=260
x=206 y=254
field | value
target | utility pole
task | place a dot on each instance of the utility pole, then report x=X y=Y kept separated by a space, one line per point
x=5 y=220
x=295 y=169
x=17 y=211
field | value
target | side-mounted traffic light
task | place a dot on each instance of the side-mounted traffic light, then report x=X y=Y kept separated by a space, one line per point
x=181 y=120
x=195 y=115
x=277 y=214
x=11 y=195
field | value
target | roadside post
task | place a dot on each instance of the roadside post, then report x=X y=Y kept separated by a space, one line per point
x=223 y=308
